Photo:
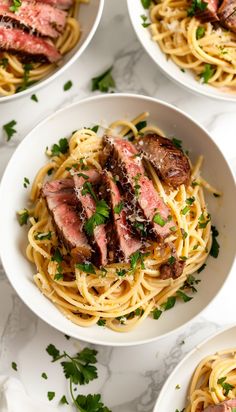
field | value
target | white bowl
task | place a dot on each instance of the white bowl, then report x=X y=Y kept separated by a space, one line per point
x=167 y=66
x=30 y=156
x=89 y=17
x=171 y=399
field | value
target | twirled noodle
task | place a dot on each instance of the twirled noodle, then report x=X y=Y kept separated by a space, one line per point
x=176 y=34
x=12 y=76
x=206 y=386
x=123 y=303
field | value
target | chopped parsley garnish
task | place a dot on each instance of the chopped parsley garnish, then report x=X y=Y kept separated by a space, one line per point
x=49 y=172
x=136 y=258
x=177 y=386
x=156 y=313
x=184 y=258
x=51 y=395
x=4 y=62
x=44 y=375
x=194 y=183
x=185 y=210
x=23 y=216
x=53 y=352
x=141 y=228
x=86 y=267
x=216 y=195
x=173 y=228
x=203 y=222
x=139 y=312
x=15 y=6
x=201 y=268
x=182 y=70
x=101 y=322
x=183 y=233
x=67 y=337
x=61 y=147
x=215 y=247
x=14 y=366
x=121 y=272
x=145 y=23
x=34 y=98
x=90 y=403
x=57 y=257
x=207 y=73
x=88 y=190
x=159 y=220
x=95 y=128
x=171 y=260
x=146 y=3
x=43 y=235
x=183 y=296
x=169 y=304
x=200 y=32
x=139 y=126
x=9 y=129
x=63 y=400
x=190 y=283
x=226 y=386
x=27 y=68
x=99 y=217
x=104 y=82
x=67 y=85
x=119 y=207
x=83 y=175
x=197 y=5
x=177 y=143
x=190 y=200
x=26 y=182
x=59 y=275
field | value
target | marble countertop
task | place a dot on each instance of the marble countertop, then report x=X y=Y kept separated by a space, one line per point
x=129 y=378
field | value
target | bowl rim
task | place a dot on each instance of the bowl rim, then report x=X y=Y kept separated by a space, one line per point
x=97 y=98
x=213 y=335
x=44 y=82
x=193 y=89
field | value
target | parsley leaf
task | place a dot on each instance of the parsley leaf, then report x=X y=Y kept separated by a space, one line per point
x=185 y=210
x=44 y=375
x=53 y=352
x=177 y=143
x=57 y=256
x=200 y=32
x=135 y=258
x=51 y=395
x=183 y=296
x=34 y=98
x=9 y=129
x=101 y=322
x=190 y=283
x=79 y=368
x=207 y=73
x=170 y=303
x=43 y=235
x=103 y=82
x=14 y=366
x=145 y=23
x=27 y=68
x=61 y=147
x=190 y=200
x=139 y=126
x=23 y=216
x=4 y=62
x=197 y=5
x=99 y=217
x=203 y=222
x=201 y=268
x=90 y=403
x=146 y=3
x=215 y=247
x=171 y=260
x=156 y=313
x=159 y=220
x=226 y=386
x=121 y=272
x=67 y=85
x=15 y=6
x=118 y=208
x=86 y=267
x=63 y=400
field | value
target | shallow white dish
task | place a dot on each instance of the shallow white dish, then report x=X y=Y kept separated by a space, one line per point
x=171 y=399
x=30 y=156
x=168 y=67
x=89 y=17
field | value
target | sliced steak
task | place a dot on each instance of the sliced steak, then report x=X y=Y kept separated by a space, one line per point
x=123 y=159
x=16 y=40
x=39 y=17
x=88 y=203
x=209 y=14
x=127 y=243
x=226 y=406
x=170 y=162
x=60 y=4
x=173 y=268
x=63 y=206
x=227 y=14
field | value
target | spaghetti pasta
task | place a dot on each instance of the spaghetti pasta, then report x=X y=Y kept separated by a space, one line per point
x=194 y=45
x=12 y=74
x=213 y=381
x=120 y=302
